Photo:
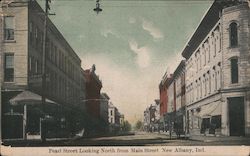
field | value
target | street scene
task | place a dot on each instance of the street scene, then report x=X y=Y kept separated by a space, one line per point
x=125 y=73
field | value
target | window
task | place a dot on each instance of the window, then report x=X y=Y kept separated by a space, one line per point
x=218 y=75
x=205 y=84
x=215 y=79
x=36 y=36
x=200 y=87
x=30 y=63
x=234 y=70
x=209 y=82
x=208 y=50
x=215 y=46
x=205 y=124
x=233 y=34
x=31 y=33
x=216 y=121
x=9 y=68
x=111 y=112
x=9 y=28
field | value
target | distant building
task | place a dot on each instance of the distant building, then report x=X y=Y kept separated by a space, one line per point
x=164 y=101
x=171 y=107
x=115 y=118
x=157 y=110
x=146 y=122
x=180 y=109
x=111 y=113
x=163 y=94
x=121 y=119
x=104 y=107
x=93 y=98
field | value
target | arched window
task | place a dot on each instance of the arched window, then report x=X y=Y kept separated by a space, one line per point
x=233 y=34
x=234 y=70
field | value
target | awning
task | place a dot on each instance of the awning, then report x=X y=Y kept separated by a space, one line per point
x=180 y=111
x=209 y=110
x=30 y=98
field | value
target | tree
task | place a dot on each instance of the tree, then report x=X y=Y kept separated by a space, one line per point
x=126 y=126
x=139 y=125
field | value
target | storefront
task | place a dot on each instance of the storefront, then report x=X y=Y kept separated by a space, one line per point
x=206 y=119
x=24 y=114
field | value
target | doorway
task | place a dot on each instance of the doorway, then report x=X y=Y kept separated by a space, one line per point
x=236 y=116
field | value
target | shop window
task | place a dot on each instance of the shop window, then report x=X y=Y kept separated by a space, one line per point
x=205 y=124
x=216 y=121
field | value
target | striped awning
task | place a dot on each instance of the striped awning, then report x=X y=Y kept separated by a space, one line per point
x=211 y=109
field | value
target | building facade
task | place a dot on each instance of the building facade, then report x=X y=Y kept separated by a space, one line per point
x=163 y=94
x=146 y=120
x=217 y=71
x=157 y=107
x=115 y=118
x=180 y=115
x=93 y=97
x=104 y=107
x=21 y=71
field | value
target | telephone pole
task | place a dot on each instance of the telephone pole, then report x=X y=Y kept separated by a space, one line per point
x=43 y=122
x=1 y=65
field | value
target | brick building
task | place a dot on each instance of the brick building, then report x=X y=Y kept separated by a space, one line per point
x=164 y=100
x=93 y=97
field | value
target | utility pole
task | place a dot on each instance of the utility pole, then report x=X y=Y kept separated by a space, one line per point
x=1 y=66
x=43 y=122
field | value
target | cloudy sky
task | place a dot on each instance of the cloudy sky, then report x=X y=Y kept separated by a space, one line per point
x=131 y=42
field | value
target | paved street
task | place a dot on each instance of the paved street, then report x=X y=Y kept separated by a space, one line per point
x=141 y=139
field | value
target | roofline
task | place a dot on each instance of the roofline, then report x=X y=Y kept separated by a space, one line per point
x=204 y=15
x=180 y=66
x=57 y=33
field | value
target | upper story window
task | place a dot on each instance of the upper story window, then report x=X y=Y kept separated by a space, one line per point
x=9 y=28
x=111 y=112
x=233 y=34
x=31 y=32
x=9 y=67
x=234 y=70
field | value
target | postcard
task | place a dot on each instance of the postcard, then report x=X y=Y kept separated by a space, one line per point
x=125 y=77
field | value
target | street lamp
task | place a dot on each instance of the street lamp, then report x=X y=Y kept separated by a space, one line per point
x=97 y=9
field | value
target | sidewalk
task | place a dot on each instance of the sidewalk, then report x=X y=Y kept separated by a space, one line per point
x=203 y=138
x=33 y=142
x=209 y=138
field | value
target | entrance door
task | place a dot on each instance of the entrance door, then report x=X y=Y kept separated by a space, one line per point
x=236 y=116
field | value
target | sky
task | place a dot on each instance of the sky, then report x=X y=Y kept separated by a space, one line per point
x=131 y=42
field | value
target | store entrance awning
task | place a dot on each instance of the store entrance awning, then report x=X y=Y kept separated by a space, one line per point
x=209 y=110
x=28 y=97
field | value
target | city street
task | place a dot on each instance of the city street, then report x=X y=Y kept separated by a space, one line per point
x=138 y=139
x=153 y=139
